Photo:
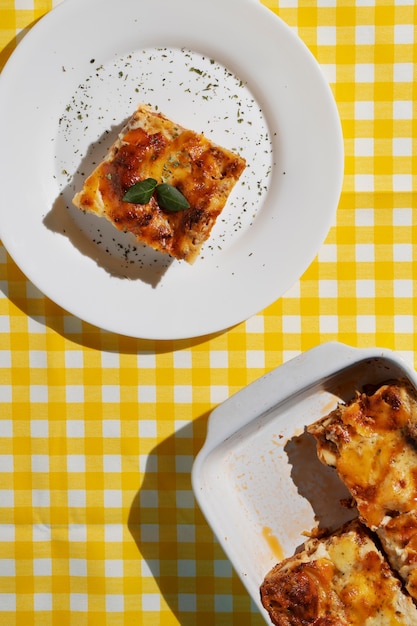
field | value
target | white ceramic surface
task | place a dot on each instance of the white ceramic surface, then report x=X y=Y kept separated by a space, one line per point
x=232 y=70
x=257 y=478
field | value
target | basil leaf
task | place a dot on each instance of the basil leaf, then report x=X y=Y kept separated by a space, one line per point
x=141 y=192
x=170 y=198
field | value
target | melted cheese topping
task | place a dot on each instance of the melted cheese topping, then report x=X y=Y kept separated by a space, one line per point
x=341 y=580
x=371 y=443
x=152 y=146
x=398 y=536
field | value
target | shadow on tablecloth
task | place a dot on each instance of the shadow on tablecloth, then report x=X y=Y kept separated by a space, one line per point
x=179 y=550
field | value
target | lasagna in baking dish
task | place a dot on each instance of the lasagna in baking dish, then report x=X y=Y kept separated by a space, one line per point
x=152 y=153
x=339 y=580
x=372 y=444
x=398 y=536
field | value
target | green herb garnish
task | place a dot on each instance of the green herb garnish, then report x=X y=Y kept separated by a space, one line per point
x=141 y=192
x=168 y=196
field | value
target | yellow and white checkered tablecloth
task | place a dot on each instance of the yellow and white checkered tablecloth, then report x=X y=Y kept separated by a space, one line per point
x=98 y=432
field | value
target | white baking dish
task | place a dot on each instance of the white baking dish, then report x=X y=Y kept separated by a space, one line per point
x=257 y=478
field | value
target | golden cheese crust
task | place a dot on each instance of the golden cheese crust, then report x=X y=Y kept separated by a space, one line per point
x=339 y=580
x=152 y=146
x=372 y=443
x=398 y=536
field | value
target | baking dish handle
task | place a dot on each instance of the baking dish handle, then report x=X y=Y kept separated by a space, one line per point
x=288 y=379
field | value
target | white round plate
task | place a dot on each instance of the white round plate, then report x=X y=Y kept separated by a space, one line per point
x=231 y=69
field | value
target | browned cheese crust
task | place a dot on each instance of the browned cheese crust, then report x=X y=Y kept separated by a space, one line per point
x=398 y=536
x=152 y=146
x=372 y=444
x=339 y=580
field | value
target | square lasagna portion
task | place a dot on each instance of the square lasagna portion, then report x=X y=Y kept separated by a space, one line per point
x=372 y=444
x=153 y=147
x=339 y=580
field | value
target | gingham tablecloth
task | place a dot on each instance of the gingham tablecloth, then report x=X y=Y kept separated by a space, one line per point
x=98 y=432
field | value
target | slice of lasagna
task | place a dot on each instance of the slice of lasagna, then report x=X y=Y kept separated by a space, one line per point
x=339 y=580
x=372 y=443
x=398 y=536
x=152 y=147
